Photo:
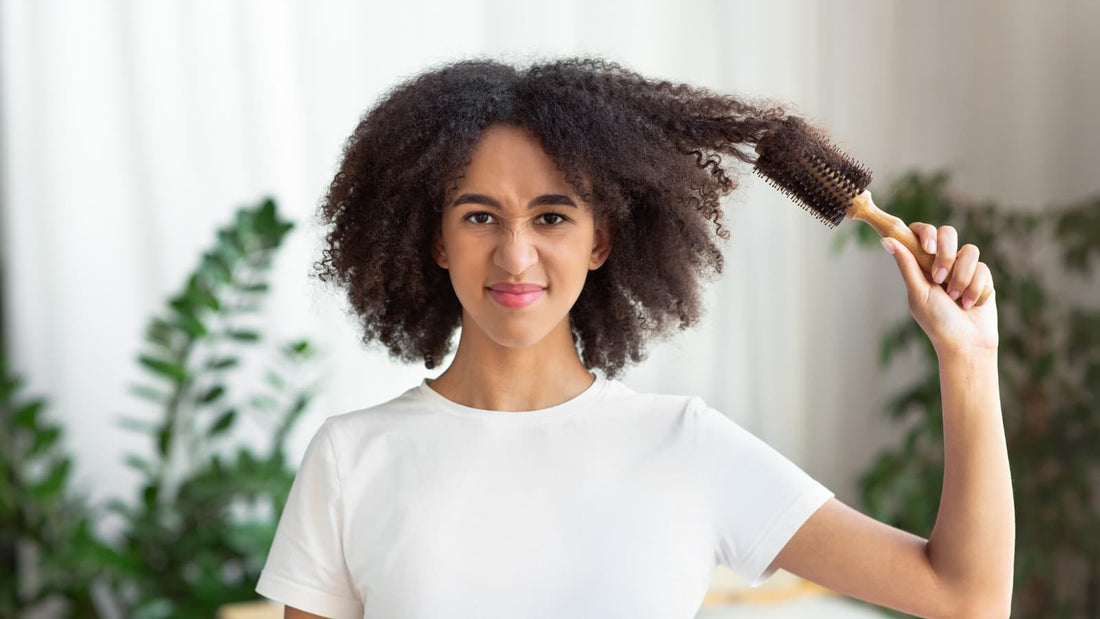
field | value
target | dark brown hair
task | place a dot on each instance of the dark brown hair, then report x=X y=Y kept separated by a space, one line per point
x=652 y=151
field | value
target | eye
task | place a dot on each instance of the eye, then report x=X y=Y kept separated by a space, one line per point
x=477 y=217
x=560 y=218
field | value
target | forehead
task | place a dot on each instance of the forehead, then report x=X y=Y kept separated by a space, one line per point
x=511 y=156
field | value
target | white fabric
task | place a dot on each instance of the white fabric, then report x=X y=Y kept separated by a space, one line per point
x=612 y=504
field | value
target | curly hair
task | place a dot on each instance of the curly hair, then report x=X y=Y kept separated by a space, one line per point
x=651 y=151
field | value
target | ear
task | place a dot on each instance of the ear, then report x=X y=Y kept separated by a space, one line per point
x=438 y=252
x=601 y=244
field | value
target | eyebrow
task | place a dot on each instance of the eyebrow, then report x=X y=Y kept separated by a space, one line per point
x=543 y=200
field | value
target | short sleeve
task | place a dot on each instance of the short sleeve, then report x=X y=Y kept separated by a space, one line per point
x=305 y=567
x=759 y=497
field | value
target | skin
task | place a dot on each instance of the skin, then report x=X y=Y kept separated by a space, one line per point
x=964 y=569
x=512 y=360
x=516 y=359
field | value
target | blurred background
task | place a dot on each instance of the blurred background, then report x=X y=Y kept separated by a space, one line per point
x=131 y=132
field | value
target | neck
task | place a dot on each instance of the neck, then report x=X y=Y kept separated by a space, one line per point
x=489 y=376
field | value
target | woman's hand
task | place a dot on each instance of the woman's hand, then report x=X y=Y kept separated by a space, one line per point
x=954 y=325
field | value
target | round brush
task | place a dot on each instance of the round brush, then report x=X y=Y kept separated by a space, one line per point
x=801 y=162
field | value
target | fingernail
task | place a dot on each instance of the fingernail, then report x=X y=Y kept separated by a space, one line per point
x=940 y=275
x=931 y=246
x=888 y=246
x=954 y=295
x=967 y=304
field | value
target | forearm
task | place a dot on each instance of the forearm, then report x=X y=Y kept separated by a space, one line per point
x=972 y=544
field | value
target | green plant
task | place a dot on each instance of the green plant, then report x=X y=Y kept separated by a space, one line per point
x=198 y=537
x=46 y=546
x=1049 y=360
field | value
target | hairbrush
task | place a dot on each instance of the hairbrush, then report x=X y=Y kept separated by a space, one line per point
x=800 y=161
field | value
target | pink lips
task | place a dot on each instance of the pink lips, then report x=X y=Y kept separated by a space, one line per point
x=516 y=296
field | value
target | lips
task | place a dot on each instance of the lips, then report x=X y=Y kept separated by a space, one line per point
x=515 y=296
x=516 y=288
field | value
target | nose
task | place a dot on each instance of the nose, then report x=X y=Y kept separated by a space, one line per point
x=515 y=253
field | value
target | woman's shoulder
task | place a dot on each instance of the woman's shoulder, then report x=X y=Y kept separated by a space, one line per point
x=654 y=400
x=394 y=408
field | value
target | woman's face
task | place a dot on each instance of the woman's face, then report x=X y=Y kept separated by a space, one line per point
x=517 y=241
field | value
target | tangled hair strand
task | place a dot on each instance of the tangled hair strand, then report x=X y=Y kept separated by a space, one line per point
x=651 y=151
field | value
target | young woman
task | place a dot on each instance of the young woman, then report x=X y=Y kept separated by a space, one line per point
x=564 y=215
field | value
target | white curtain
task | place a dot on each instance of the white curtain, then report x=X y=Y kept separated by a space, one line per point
x=132 y=130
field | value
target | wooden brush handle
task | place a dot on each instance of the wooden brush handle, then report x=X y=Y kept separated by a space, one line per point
x=864 y=209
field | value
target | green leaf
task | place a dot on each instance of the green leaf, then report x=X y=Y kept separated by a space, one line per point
x=50 y=487
x=161 y=333
x=191 y=325
x=164 y=438
x=137 y=425
x=243 y=335
x=149 y=494
x=300 y=403
x=283 y=229
x=246 y=220
x=9 y=385
x=266 y=214
x=223 y=423
x=44 y=439
x=120 y=508
x=141 y=464
x=167 y=369
x=216 y=267
x=275 y=380
x=222 y=363
x=247 y=308
x=264 y=402
x=199 y=295
x=233 y=240
x=212 y=394
x=300 y=348
x=27 y=415
x=256 y=288
x=150 y=394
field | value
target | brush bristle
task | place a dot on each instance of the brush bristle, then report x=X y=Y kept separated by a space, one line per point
x=799 y=161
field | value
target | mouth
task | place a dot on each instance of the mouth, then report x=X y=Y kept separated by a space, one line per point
x=516 y=300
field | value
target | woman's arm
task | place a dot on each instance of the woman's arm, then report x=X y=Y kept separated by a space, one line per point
x=965 y=568
x=289 y=612
x=973 y=540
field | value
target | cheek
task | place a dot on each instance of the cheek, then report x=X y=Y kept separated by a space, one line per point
x=568 y=261
x=577 y=249
x=468 y=267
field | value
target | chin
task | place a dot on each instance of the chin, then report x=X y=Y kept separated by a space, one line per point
x=514 y=331
x=516 y=338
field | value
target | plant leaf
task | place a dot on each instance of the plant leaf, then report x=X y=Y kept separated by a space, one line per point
x=26 y=416
x=167 y=369
x=243 y=335
x=223 y=423
x=212 y=394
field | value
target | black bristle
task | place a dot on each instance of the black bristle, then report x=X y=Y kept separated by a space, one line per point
x=799 y=161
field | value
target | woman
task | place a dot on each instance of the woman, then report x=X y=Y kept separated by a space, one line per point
x=564 y=215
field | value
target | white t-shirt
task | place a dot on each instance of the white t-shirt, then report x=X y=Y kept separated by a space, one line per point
x=612 y=504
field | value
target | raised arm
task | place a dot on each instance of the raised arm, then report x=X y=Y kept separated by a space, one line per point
x=289 y=612
x=965 y=567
